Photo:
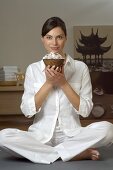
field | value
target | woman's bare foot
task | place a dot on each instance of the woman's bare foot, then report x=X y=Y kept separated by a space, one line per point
x=90 y=153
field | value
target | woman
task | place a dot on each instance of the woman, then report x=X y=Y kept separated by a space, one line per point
x=57 y=96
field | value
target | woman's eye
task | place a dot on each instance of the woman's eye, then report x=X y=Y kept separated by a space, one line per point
x=60 y=37
x=49 y=37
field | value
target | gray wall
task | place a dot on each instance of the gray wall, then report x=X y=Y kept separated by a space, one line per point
x=21 y=22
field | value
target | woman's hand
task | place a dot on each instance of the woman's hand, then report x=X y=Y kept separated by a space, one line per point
x=55 y=76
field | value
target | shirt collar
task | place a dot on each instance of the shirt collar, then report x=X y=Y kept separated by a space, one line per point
x=68 y=59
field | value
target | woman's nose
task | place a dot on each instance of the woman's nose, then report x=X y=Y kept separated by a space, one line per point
x=54 y=40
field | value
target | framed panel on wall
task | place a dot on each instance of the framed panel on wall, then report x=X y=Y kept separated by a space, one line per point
x=94 y=46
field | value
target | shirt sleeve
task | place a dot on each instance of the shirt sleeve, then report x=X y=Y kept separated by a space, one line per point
x=86 y=103
x=28 y=101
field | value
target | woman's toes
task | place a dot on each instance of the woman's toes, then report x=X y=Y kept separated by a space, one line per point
x=95 y=154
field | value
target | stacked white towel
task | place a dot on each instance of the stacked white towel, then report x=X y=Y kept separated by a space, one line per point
x=7 y=73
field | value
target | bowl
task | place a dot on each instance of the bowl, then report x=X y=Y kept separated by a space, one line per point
x=52 y=62
x=98 y=110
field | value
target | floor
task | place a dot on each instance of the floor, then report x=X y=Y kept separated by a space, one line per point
x=106 y=163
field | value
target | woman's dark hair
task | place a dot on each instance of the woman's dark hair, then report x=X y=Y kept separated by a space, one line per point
x=52 y=23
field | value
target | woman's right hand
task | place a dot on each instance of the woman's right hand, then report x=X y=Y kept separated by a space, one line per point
x=55 y=76
x=50 y=74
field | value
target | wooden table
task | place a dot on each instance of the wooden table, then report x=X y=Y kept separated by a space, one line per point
x=10 y=100
x=10 y=112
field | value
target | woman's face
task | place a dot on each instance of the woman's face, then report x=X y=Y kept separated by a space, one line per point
x=54 y=40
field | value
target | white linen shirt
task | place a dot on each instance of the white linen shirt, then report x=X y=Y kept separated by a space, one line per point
x=57 y=106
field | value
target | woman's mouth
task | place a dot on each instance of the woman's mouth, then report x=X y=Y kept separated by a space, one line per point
x=54 y=48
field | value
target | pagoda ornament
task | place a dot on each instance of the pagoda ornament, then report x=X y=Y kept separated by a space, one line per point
x=91 y=47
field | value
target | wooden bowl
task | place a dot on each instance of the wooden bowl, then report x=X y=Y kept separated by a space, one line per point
x=52 y=62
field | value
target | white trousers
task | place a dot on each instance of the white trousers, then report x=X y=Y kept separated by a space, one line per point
x=22 y=143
